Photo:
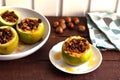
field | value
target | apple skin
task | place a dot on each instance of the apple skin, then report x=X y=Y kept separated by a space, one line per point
x=76 y=60
x=10 y=46
x=5 y=23
x=31 y=37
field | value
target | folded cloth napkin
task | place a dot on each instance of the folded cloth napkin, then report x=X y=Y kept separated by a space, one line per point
x=104 y=29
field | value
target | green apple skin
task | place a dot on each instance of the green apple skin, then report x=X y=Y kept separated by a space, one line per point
x=10 y=46
x=5 y=23
x=31 y=37
x=76 y=60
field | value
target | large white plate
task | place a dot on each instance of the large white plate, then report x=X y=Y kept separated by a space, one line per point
x=89 y=66
x=24 y=50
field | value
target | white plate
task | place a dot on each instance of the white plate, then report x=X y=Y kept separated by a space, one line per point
x=25 y=50
x=89 y=66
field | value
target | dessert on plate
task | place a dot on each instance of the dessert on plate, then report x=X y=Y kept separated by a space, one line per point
x=76 y=50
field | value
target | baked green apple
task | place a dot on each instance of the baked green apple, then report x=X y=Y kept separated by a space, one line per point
x=76 y=50
x=9 y=17
x=8 y=39
x=30 y=30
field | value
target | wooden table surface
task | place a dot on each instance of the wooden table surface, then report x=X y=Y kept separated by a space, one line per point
x=38 y=67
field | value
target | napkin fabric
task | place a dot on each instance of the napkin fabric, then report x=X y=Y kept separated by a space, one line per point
x=104 y=29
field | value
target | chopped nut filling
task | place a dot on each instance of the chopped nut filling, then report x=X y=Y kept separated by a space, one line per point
x=76 y=45
x=29 y=24
x=5 y=35
x=9 y=16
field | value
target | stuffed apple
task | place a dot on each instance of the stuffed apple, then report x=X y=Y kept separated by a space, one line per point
x=30 y=30
x=9 y=17
x=8 y=39
x=76 y=50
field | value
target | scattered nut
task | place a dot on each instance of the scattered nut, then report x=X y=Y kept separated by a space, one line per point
x=62 y=21
x=68 y=22
x=71 y=25
x=76 y=20
x=68 y=19
x=59 y=29
x=81 y=28
x=63 y=26
x=55 y=24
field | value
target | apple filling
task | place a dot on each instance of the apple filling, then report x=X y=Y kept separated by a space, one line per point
x=5 y=35
x=29 y=24
x=76 y=46
x=9 y=16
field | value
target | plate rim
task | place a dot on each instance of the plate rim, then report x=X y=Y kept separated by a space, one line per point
x=98 y=64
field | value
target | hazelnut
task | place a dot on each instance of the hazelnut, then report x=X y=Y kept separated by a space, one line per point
x=55 y=24
x=63 y=26
x=71 y=25
x=62 y=21
x=76 y=20
x=81 y=28
x=68 y=19
x=59 y=29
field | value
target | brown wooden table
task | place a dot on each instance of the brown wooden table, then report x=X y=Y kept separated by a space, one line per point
x=38 y=67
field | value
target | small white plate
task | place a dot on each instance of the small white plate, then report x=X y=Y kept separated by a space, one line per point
x=92 y=64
